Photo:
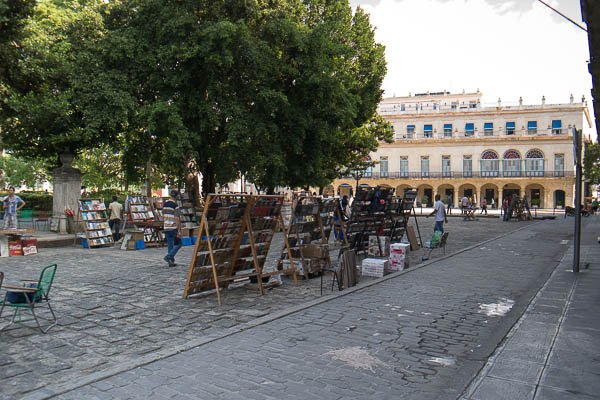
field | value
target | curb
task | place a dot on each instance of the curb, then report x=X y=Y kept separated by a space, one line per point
x=50 y=391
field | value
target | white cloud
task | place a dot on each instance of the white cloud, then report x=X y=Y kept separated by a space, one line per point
x=505 y=48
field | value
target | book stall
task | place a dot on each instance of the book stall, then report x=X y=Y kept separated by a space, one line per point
x=376 y=228
x=187 y=214
x=308 y=234
x=234 y=237
x=93 y=217
x=141 y=215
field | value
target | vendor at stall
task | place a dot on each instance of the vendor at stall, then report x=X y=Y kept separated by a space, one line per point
x=11 y=205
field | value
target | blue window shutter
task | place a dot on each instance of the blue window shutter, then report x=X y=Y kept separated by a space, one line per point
x=488 y=126
x=447 y=127
x=428 y=128
x=510 y=125
x=556 y=124
x=532 y=125
x=409 y=127
x=469 y=127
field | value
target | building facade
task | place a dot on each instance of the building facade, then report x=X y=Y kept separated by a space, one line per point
x=453 y=145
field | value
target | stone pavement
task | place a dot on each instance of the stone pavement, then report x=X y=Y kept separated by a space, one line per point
x=115 y=307
x=553 y=352
x=422 y=333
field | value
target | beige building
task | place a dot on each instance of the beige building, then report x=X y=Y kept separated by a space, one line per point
x=454 y=145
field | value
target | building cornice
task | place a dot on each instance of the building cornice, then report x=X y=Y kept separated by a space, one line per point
x=476 y=140
x=497 y=111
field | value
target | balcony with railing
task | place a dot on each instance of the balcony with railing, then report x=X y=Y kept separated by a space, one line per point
x=465 y=174
x=481 y=133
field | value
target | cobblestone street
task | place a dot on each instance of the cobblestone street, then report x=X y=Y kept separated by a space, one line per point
x=117 y=306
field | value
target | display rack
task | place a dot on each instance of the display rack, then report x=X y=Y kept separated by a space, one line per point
x=308 y=233
x=156 y=203
x=234 y=238
x=187 y=211
x=142 y=216
x=93 y=217
x=370 y=215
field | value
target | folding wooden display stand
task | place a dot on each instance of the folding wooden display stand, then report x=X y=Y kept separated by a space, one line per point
x=235 y=234
x=142 y=216
x=308 y=234
x=368 y=217
x=92 y=215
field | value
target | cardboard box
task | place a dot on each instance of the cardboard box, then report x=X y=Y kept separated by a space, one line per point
x=15 y=247
x=30 y=246
x=412 y=238
x=376 y=267
x=399 y=256
x=379 y=250
x=314 y=251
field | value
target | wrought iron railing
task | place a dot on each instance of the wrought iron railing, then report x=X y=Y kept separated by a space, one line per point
x=465 y=174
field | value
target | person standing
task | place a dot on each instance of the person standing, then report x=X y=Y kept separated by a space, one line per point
x=595 y=205
x=450 y=201
x=483 y=206
x=172 y=227
x=11 y=206
x=464 y=203
x=115 y=217
x=439 y=210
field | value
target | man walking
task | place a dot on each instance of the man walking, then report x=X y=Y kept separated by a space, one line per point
x=116 y=215
x=172 y=227
x=11 y=205
x=440 y=214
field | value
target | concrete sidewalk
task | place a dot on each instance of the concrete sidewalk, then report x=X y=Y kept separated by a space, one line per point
x=553 y=352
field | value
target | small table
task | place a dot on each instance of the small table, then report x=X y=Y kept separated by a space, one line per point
x=470 y=213
x=10 y=233
x=155 y=227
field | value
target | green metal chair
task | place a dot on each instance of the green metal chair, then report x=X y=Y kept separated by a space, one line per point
x=32 y=297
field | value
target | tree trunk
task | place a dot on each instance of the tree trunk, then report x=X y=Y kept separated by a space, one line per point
x=192 y=185
x=208 y=180
x=149 y=177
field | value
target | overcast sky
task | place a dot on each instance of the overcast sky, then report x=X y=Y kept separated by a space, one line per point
x=504 y=48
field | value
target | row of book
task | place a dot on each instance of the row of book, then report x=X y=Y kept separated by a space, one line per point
x=100 y=233
x=137 y=216
x=92 y=215
x=86 y=205
x=97 y=225
x=100 y=241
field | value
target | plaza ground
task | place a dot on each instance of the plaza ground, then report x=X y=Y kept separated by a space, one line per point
x=126 y=332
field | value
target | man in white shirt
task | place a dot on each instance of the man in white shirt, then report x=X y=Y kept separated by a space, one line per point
x=440 y=214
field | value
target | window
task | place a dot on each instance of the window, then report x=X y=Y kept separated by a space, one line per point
x=534 y=163
x=559 y=165
x=425 y=167
x=511 y=164
x=446 y=168
x=403 y=167
x=556 y=127
x=447 y=130
x=467 y=166
x=428 y=131
x=383 y=167
x=510 y=128
x=402 y=107
x=532 y=127
x=453 y=105
x=410 y=131
x=469 y=129
x=368 y=172
x=472 y=104
x=489 y=163
x=488 y=129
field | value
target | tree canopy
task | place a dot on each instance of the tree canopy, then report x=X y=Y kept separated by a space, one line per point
x=284 y=92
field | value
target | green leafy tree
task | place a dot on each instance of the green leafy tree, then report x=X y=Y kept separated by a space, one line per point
x=269 y=90
x=591 y=163
x=60 y=100
x=15 y=171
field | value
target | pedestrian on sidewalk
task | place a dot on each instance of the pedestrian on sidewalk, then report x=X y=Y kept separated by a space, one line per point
x=439 y=210
x=172 y=227
x=505 y=209
x=464 y=203
x=595 y=205
x=11 y=206
x=483 y=206
x=450 y=202
x=115 y=218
